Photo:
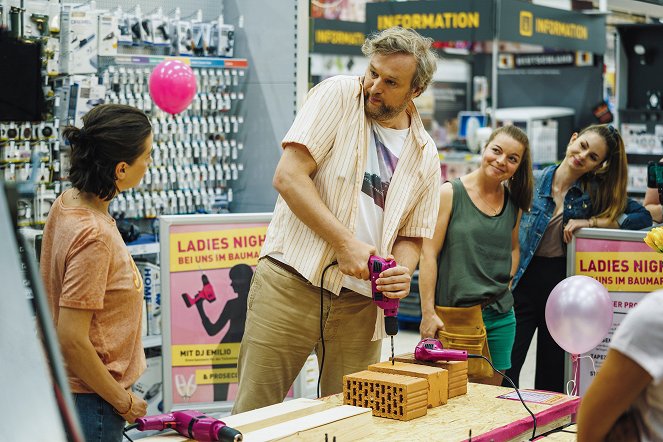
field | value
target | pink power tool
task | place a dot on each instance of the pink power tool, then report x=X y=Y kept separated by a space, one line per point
x=376 y=265
x=191 y=424
x=207 y=294
x=431 y=350
x=390 y=305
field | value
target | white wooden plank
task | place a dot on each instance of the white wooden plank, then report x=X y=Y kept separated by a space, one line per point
x=260 y=418
x=274 y=414
x=344 y=422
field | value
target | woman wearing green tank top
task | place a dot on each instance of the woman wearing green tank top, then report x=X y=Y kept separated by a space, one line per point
x=474 y=251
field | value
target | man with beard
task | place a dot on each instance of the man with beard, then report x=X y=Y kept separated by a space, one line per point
x=359 y=176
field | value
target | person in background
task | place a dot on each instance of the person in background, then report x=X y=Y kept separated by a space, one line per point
x=587 y=189
x=94 y=289
x=474 y=252
x=359 y=176
x=626 y=397
x=652 y=201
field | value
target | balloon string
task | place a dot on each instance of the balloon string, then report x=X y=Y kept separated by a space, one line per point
x=573 y=383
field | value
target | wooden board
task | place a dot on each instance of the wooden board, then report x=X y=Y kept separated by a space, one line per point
x=274 y=414
x=344 y=422
x=257 y=419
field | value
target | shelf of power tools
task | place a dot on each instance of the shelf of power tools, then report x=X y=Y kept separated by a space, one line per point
x=30 y=150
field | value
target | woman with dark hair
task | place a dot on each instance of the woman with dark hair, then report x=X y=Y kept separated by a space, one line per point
x=474 y=250
x=94 y=289
x=587 y=189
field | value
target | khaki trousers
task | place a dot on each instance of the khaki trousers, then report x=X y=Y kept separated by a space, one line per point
x=283 y=327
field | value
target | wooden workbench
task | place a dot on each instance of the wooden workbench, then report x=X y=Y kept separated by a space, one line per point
x=489 y=418
x=479 y=410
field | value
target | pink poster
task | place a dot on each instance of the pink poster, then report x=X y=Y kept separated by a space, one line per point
x=210 y=273
x=629 y=270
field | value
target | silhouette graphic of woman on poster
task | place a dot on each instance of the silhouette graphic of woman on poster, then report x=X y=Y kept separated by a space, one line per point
x=235 y=312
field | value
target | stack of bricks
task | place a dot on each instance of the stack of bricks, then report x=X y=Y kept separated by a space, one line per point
x=405 y=389
x=457 y=372
x=388 y=395
x=437 y=378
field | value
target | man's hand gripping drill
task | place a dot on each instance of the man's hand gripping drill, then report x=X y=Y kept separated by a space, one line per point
x=377 y=265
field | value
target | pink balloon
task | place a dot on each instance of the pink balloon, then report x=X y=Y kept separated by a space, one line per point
x=579 y=313
x=172 y=86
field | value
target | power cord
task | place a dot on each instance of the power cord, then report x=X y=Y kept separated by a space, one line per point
x=514 y=387
x=562 y=429
x=322 y=331
x=127 y=429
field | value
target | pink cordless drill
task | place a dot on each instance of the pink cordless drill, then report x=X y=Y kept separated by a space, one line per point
x=376 y=265
x=431 y=350
x=191 y=424
x=206 y=293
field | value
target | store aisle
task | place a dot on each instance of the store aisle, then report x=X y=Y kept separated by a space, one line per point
x=406 y=340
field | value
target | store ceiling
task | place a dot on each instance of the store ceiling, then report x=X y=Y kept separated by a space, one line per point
x=649 y=8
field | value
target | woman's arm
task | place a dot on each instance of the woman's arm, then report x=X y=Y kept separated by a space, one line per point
x=616 y=386
x=430 y=250
x=515 y=248
x=81 y=358
x=635 y=217
x=653 y=205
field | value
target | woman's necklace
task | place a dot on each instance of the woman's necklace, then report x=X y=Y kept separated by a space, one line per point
x=495 y=212
x=87 y=202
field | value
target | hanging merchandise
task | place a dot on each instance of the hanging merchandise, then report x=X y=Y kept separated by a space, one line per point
x=79 y=45
x=222 y=39
x=108 y=34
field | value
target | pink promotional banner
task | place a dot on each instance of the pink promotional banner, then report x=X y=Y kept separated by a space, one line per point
x=210 y=260
x=629 y=270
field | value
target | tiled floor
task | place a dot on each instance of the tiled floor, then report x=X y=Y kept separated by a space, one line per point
x=406 y=340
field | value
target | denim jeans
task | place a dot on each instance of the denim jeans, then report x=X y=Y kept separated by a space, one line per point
x=98 y=419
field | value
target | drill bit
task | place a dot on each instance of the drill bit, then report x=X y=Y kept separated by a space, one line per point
x=392 y=349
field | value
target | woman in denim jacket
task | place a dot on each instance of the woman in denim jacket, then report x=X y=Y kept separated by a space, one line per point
x=587 y=189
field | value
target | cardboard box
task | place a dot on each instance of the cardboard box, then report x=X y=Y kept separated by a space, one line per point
x=108 y=34
x=79 y=48
x=86 y=93
x=151 y=275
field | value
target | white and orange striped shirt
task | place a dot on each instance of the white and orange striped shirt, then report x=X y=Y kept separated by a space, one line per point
x=333 y=126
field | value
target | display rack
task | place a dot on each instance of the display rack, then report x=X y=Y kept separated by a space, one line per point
x=639 y=108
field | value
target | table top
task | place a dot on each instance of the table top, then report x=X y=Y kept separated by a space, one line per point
x=480 y=410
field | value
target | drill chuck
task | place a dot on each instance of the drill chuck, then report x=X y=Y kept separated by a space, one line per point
x=227 y=434
x=391 y=325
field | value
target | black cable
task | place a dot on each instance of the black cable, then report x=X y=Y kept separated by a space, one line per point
x=561 y=429
x=514 y=387
x=129 y=428
x=322 y=331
